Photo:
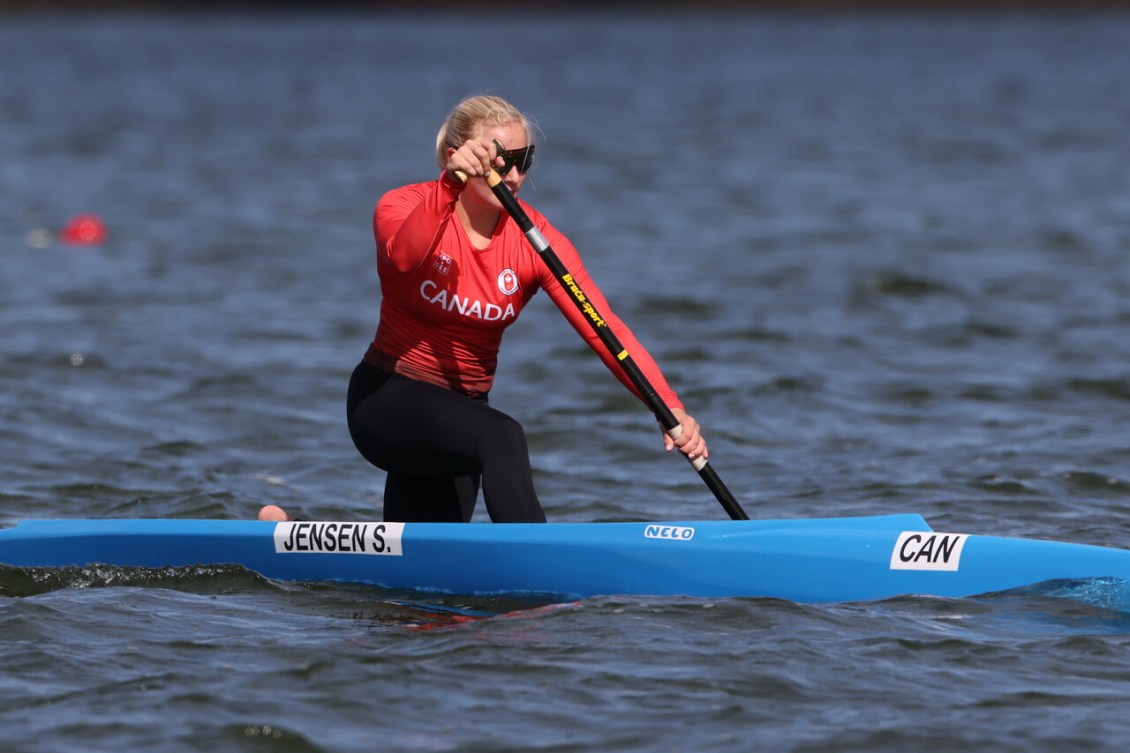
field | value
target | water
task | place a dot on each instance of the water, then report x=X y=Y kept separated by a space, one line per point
x=883 y=258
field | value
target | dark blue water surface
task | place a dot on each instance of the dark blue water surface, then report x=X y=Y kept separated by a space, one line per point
x=885 y=260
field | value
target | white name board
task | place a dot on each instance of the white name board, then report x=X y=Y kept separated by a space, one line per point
x=298 y=537
x=928 y=550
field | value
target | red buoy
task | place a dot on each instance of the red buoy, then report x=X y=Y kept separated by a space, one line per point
x=84 y=230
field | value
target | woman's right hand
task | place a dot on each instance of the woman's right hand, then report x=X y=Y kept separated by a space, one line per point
x=474 y=159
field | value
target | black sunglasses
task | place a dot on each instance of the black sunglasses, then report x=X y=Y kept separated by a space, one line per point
x=523 y=159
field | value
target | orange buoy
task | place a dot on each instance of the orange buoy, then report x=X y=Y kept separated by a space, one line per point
x=84 y=230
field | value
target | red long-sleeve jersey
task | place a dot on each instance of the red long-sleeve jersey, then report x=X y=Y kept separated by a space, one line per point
x=445 y=304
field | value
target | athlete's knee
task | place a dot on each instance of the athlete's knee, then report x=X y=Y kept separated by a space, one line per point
x=508 y=436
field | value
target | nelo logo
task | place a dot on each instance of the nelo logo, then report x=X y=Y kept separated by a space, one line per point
x=673 y=533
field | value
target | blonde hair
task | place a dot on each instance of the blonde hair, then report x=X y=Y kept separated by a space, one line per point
x=471 y=116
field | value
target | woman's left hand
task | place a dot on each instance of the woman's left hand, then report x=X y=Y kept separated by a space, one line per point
x=690 y=442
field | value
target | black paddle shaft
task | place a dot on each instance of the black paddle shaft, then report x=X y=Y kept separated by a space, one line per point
x=666 y=418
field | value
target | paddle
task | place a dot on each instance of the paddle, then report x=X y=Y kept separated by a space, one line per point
x=664 y=415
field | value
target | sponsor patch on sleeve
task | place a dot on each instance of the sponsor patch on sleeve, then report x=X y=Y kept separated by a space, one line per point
x=299 y=537
x=928 y=550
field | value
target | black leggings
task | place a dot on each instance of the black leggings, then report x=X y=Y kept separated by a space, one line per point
x=435 y=445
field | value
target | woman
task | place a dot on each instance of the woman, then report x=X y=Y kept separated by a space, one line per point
x=455 y=272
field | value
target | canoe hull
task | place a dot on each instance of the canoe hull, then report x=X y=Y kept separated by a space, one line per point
x=809 y=560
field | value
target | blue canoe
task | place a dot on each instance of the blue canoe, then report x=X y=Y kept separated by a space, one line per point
x=804 y=560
